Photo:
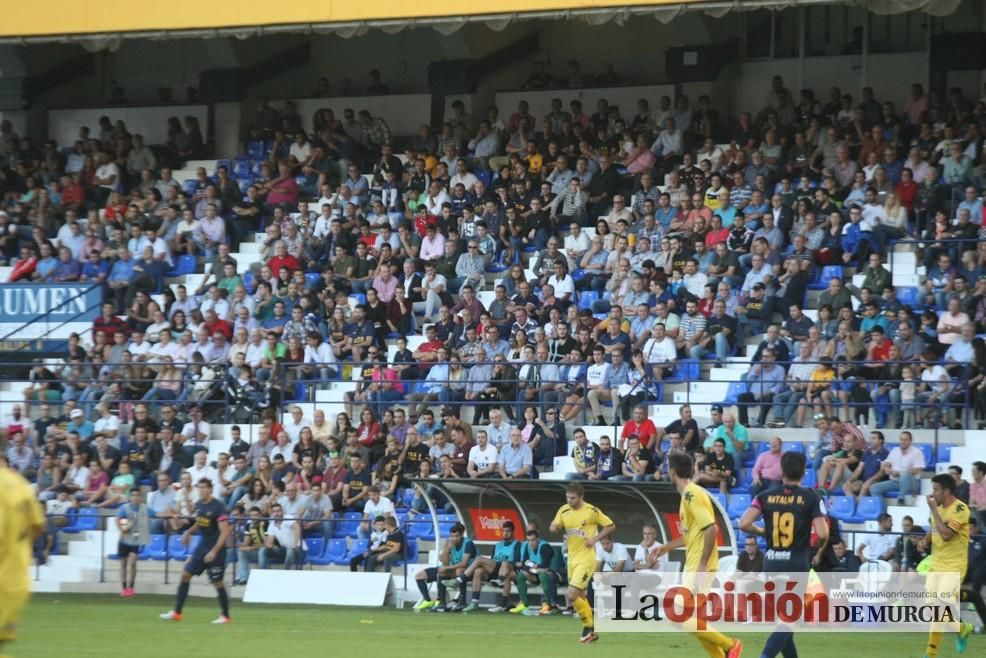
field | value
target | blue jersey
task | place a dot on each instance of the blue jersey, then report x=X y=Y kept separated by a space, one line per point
x=457 y=553
x=207 y=518
x=507 y=551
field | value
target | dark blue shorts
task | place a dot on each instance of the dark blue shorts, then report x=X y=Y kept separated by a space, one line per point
x=196 y=565
x=787 y=562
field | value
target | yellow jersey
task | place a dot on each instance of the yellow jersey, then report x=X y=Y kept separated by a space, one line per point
x=581 y=524
x=951 y=555
x=695 y=513
x=21 y=520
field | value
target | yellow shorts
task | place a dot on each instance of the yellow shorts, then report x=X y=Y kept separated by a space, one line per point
x=11 y=606
x=579 y=575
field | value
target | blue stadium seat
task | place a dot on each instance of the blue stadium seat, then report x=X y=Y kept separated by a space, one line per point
x=810 y=479
x=255 y=150
x=578 y=274
x=241 y=167
x=496 y=266
x=358 y=548
x=156 y=549
x=359 y=297
x=334 y=552
x=311 y=279
x=484 y=175
x=842 y=507
x=407 y=496
x=184 y=265
x=422 y=527
x=687 y=370
x=745 y=482
x=411 y=553
x=587 y=297
x=944 y=453
x=316 y=546
x=868 y=508
x=176 y=551
x=909 y=296
x=348 y=526
x=190 y=186
x=793 y=446
x=734 y=391
x=445 y=523
x=721 y=497
x=86 y=518
x=738 y=504
x=827 y=273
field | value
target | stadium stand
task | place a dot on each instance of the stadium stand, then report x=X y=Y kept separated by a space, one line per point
x=323 y=309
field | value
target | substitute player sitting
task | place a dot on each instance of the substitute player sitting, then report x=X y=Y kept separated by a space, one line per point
x=534 y=566
x=209 y=556
x=500 y=564
x=456 y=556
x=583 y=525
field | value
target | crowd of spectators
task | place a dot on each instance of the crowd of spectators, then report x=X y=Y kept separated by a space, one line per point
x=540 y=271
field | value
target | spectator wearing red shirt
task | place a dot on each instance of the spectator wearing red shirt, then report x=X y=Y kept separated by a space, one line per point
x=24 y=267
x=906 y=189
x=282 y=258
x=215 y=323
x=368 y=429
x=877 y=352
x=73 y=194
x=640 y=426
x=109 y=323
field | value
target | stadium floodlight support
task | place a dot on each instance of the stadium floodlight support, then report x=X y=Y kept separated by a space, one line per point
x=663 y=12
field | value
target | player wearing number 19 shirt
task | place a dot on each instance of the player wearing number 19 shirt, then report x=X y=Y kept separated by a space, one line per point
x=789 y=513
x=209 y=556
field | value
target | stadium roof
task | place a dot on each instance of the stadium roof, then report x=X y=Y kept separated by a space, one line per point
x=100 y=24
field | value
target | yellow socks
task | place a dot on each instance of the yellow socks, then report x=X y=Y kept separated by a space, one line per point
x=584 y=611
x=934 y=640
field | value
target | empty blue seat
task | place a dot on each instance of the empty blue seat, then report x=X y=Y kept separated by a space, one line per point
x=578 y=274
x=842 y=507
x=738 y=504
x=315 y=548
x=190 y=186
x=909 y=296
x=255 y=149
x=241 y=167
x=793 y=446
x=810 y=479
x=422 y=527
x=734 y=391
x=827 y=274
x=484 y=175
x=687 y=370
x=587 y=297
x=410 y=553
x=86 y=518
x=745 y=482
x=348 y=526
x=944 y=453
x=359 y=297
x=868 y=508
x=184 y=265
x=334 y=553
x=176 y=551
x=156 y=549
x=358 y=548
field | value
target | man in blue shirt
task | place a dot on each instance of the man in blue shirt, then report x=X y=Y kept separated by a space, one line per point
x=96 y=268
x=119 y=279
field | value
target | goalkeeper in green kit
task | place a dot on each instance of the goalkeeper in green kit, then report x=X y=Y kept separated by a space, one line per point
x=536 y=556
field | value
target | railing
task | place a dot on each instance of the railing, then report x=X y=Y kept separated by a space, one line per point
x=305 y=552
x=224 y=401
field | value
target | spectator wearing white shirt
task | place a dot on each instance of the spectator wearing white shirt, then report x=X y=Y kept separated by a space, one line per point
x=612 y=556
x=196 y=430
x=296 y=423
x=498 y=431
x=879 y=546
x=482 y=457
x=903 y=468
x=283 y=541
x=660 y=351
x=376 y=505
x=647 y=557
x=200 y=469
x=562 y=282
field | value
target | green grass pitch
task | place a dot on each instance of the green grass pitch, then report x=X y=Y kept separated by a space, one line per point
x=80 y=626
